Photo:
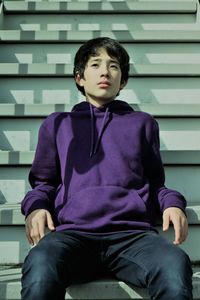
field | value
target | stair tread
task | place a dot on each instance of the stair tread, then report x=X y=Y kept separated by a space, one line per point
x=81 y=36
x=10 y=285
x=169 y=157
x=10 y=214
x=43 y=69
x=159 y=110
x=127 y=6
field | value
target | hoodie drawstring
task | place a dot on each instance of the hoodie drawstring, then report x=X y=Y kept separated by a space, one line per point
x=92 y=130
x=94 y=146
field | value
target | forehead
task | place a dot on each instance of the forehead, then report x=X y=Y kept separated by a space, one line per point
x=102 y=54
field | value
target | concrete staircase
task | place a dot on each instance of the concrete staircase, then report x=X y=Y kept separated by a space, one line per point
x=38 y=42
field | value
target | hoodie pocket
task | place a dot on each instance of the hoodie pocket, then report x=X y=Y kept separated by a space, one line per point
x=103 y=204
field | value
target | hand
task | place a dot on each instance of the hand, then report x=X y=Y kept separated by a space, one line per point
x=176 y=216
x=36 y=223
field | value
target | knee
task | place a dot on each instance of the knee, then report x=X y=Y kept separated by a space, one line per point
x=174 y=275
x=178 y=261
x=37 y=264
x=180 y=272
x=175 y=266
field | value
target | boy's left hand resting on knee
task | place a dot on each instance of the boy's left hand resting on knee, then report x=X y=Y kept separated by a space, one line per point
x=177 y=217
x=35 y=225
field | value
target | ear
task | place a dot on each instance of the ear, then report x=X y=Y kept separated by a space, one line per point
x=123 y=84
x=78 y=79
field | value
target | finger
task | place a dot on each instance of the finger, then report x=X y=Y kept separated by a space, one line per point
x=166 y=222
x=184 y=231
x=178 y=232
x=41 y=229
x=50 y=224
x=28 y=235
x=35 y=233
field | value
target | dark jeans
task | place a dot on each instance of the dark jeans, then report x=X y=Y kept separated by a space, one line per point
x=143 y=259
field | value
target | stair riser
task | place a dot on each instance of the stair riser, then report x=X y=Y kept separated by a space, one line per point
x=14 y=182
x=91 y=291
x=22 y=135
x=63 y=90
x=14 y=246
x=64 y=53
x=101 y=7
x=102 y=22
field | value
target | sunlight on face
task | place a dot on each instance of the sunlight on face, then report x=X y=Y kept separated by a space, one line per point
x=102 y=78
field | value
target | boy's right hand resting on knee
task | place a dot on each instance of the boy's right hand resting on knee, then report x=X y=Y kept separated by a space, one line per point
x=35 y=224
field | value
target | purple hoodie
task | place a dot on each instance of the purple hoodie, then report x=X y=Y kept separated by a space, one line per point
x=98 y=170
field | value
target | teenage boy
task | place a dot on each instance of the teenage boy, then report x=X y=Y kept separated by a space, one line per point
x=97 y=183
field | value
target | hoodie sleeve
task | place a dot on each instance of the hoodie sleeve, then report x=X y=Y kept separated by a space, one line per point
x=44 y=176
x=163 y=196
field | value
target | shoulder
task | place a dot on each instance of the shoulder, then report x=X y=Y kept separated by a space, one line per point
x=148 y=125
x=52 y=122
x=144 y=118
x=53 y=118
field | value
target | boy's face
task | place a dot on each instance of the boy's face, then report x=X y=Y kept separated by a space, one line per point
x=102 y=78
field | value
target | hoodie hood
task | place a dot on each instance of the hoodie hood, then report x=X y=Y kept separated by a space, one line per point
x=115 y=106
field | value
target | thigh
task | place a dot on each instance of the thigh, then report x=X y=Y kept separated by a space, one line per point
x=65 y=257
x=144 y=258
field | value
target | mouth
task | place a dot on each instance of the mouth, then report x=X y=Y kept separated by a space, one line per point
x=104 y=84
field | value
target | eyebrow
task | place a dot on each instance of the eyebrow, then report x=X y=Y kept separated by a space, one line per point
x=99 y=59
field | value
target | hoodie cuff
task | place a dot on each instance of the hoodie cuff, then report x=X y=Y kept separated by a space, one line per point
x=174 y=202
x=37 y=204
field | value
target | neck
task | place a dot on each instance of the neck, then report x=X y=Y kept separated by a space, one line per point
x=98 y=103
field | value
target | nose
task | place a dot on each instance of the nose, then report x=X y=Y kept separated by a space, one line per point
x=104 y=71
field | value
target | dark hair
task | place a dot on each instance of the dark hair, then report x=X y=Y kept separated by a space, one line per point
x=91 y=47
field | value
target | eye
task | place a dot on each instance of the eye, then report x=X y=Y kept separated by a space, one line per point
x=95 y=65
x=114 y=66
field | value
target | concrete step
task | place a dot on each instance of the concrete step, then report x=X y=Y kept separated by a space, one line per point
x=10 y=214
x=169 y=157
x=14 y=246
x=101 y=21
x=105 y=288
x=43 y=110
x=140 y=53
x=127 y=6
x=61 y=90
x=23 y=134
x=63 y=70
x=182 y=177
x=126 y=35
